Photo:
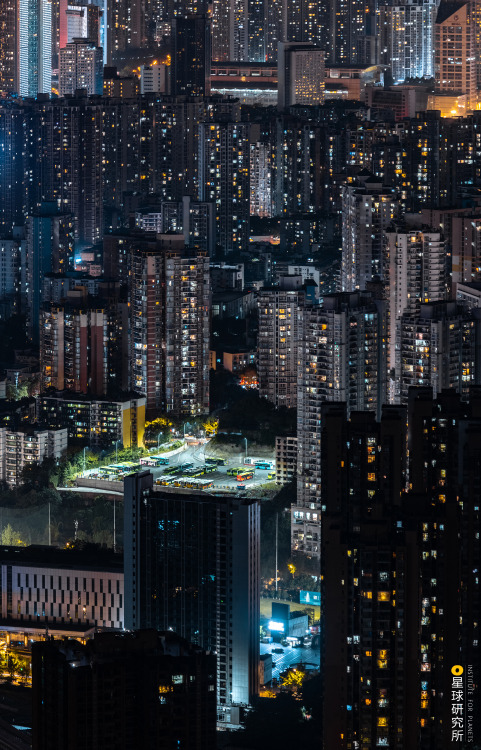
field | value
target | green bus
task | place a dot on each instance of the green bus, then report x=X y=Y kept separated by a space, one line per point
x=234 y=471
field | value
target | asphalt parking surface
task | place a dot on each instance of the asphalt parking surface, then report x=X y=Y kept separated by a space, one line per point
x=290 y=657
x=197 y=455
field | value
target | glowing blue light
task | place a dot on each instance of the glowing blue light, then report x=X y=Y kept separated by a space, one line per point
x=276 y=626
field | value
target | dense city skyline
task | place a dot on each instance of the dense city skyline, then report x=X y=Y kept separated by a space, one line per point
x=240 y=374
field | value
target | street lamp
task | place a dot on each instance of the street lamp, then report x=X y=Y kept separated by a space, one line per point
x=246 y=445
x=116 y=452
x=158 y=440
x=84 y=457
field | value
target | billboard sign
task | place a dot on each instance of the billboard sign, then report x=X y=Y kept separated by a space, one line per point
x=310 y=597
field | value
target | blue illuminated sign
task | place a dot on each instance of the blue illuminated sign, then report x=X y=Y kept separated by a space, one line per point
x=277 y=627
x=309 y=597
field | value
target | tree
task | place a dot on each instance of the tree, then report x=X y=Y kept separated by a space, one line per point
x=211 y=426
x=17 y=392
x=293 y=680
x=11 y=538
x=40 y=475
x=13 y=665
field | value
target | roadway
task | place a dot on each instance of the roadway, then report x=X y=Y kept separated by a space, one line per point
x=290 y=657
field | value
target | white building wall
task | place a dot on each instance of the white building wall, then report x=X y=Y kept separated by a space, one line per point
x=63 y=596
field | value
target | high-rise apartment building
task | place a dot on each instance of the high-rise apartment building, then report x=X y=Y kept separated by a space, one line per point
x=172 y=161
x=440 y=348
x=8 y=47
x=192 y=565
x=224 y=162
x=301 y=74
x=80 y=67
x=342 y=357
x=406 y=39
x=194 y=219
x=415 y=273
x=101 y=422
x=304 y=21
x=257 y=30
x=367 y=210
x=370 y=641
x=82 y=21
x=64 y=155
x=261 y=169
x=153 y=78
x=127 y=26
x=352 y=32
x=49 y=249
x=123 y=690
x=280 y=312
x=457 y=49
x=83 y=344
x=34 y=47
x=13 y=286
x=230 y=30
x=28 y=445
x=399 y=572
x=466 y=249
x=126 y=155
x=299 y=167
x=191 y=56
x=169 y=296
x=426 y=159
x=444 y=448
x=12 y=166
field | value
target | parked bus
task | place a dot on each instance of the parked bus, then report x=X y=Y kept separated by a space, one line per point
x=271 y=475
x=216 y=461
x=234 y=471
x=154 y=461
x=243 y=476
x=198 y=484
x=165 y=481
x=194 y=472
x=264 y=465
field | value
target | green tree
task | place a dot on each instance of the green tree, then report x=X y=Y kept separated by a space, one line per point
x=13 y=665
x=17 y=392
x=11 y=538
